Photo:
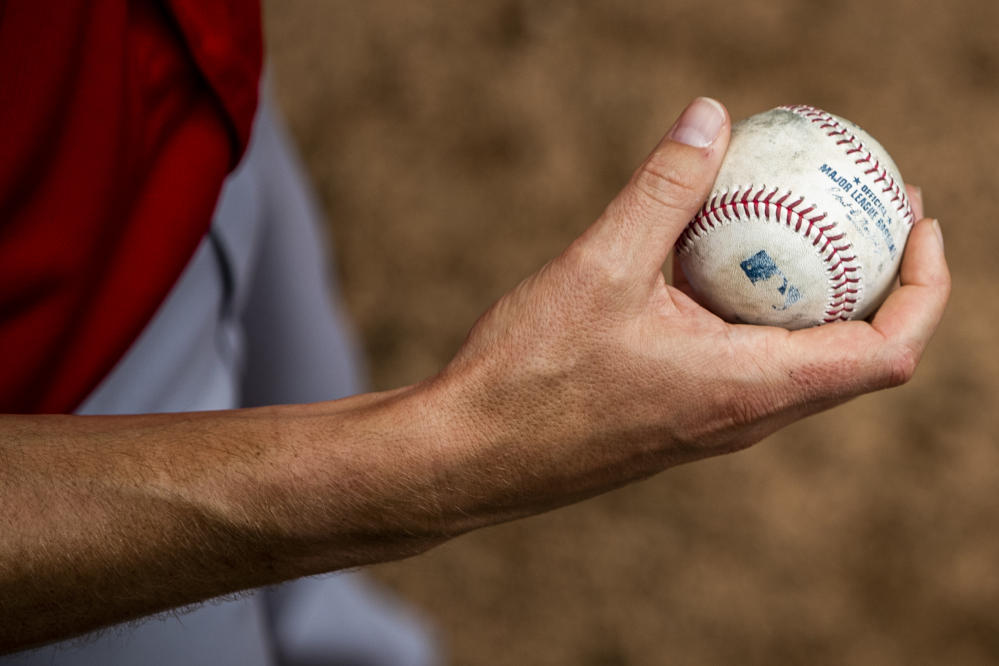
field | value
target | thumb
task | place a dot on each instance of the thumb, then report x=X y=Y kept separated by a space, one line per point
x=642 y=223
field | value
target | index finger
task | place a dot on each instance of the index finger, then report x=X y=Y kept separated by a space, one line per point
x=844 y=359
x=910 y=314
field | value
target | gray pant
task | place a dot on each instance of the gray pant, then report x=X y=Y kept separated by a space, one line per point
x=251 y=321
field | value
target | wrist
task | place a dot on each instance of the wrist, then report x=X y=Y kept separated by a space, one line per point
x=354 y=481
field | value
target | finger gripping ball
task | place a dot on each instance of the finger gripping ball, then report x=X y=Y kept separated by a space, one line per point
x=805 y=225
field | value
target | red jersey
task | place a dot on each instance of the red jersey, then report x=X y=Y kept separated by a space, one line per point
x=119 y=121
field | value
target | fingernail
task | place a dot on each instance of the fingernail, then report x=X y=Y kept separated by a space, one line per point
x=936 y=228
x=699 y=124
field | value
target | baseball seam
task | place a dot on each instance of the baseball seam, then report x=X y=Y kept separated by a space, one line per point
x=855 y=148
x=762 y=202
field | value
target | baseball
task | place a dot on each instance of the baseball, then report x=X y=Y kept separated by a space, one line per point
x=805 y=225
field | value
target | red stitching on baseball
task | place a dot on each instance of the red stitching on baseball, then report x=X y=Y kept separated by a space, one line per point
x=839 y=258
x=826 y=121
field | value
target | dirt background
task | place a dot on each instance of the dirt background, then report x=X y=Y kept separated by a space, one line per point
x=459 y=145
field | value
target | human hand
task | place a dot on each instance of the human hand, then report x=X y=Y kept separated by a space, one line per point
x=594 y=371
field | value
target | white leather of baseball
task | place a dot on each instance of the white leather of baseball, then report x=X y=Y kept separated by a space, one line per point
x=806 y=223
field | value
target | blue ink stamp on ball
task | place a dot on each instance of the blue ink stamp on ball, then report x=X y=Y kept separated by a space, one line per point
x=761 y=268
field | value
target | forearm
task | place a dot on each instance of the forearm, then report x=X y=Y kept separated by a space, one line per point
x=110 y=518
x=106 y=519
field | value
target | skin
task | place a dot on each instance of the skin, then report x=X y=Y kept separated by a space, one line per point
x=590 y=374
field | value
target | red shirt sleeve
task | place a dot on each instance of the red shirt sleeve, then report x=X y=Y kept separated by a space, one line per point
x=119 y=121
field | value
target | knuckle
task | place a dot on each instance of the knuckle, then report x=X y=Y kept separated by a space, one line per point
x=750 y=403
x=668 y=185
x=901 y=365
x=945 y=285
x=743 y=413
x=596 y=269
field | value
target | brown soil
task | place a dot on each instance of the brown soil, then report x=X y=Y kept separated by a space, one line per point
x=458 y=145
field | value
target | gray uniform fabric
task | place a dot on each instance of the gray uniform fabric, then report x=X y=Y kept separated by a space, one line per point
x=251 y=322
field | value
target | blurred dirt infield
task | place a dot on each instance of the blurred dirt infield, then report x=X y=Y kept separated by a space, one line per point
x=457 y=146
